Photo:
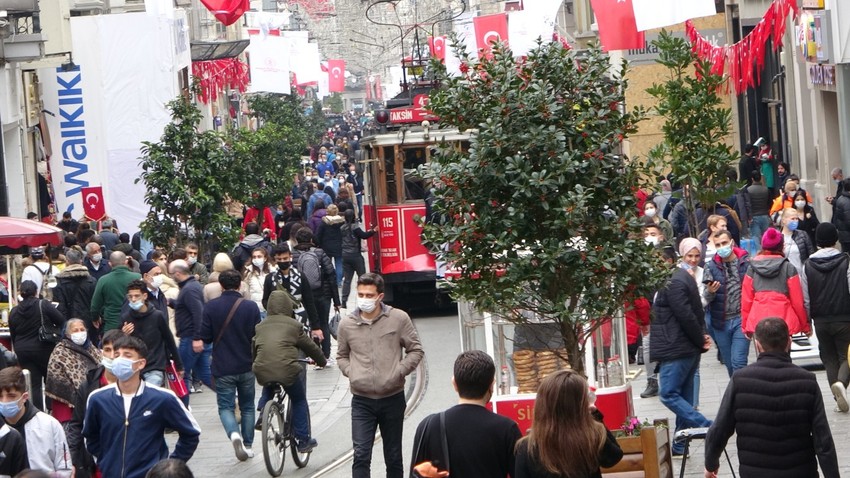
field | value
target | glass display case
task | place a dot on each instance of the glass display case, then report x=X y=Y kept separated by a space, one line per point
x=526 y=353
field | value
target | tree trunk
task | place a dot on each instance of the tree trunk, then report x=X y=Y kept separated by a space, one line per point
x=575 y=352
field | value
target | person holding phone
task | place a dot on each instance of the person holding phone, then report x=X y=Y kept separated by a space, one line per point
x=724 y=276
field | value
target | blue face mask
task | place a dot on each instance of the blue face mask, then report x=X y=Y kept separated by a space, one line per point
x=122 y=368
x=9 y=409
x=135 y=305
x=724 y=251
x=107 y=363
x=792 y=225
x=686 y=266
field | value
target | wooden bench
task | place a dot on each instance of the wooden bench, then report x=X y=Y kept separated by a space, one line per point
x=644 y=456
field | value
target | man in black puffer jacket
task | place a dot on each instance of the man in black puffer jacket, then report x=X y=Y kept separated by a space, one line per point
x=776 y=408
x=677 y=338
x=841 y=214
x=74 y=290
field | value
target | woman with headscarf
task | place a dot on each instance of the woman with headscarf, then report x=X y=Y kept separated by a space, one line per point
x=69 y=364
x=772 y=288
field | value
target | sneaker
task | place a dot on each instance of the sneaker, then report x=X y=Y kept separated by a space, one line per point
x=249 y=451
x=238 y=446
x=259 y=424
x=198 y=386
x=331 y=362
x=840 y=394
x=306 y=446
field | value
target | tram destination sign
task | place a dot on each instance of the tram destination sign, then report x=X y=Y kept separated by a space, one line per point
x=412 y=114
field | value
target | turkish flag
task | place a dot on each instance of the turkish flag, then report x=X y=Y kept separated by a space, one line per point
x=93 y=204
x=336 y=76
x=438 y=47
x=617 y=28
x=490 y=28
x=227 y=11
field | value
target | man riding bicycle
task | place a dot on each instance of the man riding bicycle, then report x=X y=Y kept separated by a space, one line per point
x=276 y=349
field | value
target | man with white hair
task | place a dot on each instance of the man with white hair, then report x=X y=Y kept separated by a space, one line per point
x=94 y=261
x=110 y=293
x=188 y=314
x=110 y=238
x=837 y=176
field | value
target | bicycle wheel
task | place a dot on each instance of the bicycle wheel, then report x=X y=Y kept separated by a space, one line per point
x=300 y=459
x=274 y=450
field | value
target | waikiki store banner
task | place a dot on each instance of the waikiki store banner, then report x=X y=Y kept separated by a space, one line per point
x=111 y=101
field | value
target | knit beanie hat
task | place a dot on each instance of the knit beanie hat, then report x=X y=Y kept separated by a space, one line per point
x=772 y=240
x=147 y=266
x=826 y=234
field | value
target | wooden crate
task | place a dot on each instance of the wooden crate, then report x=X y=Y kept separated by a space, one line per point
x=644 y=456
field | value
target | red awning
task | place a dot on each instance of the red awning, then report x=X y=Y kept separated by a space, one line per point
x=16 y=233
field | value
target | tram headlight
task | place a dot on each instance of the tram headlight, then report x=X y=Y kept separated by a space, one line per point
x=382 y=117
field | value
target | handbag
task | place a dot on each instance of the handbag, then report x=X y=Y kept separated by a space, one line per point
x=48 y=332
x=177 y=384
x=333 y=325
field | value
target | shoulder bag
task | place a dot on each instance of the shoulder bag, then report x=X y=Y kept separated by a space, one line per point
x=333 y=325
x=47 y=332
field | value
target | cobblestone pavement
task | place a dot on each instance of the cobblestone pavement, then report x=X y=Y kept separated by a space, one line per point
x=330 y=400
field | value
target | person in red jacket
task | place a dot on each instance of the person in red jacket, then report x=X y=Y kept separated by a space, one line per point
x=637 y=316
x=266 y=221
x=772 y=288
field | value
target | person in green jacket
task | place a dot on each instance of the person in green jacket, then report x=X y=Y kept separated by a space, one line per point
x=110 y=293
x=278 y=344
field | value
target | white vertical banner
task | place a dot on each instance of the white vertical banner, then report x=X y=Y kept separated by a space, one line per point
x=103 y=114
x=74 y=102
x=465 y=31
x=270 y=64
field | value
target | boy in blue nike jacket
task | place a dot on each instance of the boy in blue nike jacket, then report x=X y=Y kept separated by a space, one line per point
x=125 y=422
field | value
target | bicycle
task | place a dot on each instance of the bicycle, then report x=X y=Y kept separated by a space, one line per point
x=277 y=431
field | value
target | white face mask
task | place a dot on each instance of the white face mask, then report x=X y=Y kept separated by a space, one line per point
x=367 y=305
x=652 y=240
x=97 y=257
x=156 y=281
x=650 y=212
x=800 y=204
x=79 y=338
x=192 y=260
x=259 y=262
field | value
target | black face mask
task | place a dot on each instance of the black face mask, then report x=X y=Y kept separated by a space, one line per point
x=284 y=265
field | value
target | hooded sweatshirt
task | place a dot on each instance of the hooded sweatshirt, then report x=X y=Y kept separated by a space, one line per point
x=772 y=289
x=73 y=292
x=278 y=344
x=825 y=280
x=151 y=327
x=329 y=237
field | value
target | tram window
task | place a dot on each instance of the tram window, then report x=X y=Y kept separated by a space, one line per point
x=413 y=158
x=389 y=171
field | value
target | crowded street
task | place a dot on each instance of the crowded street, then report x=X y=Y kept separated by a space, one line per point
x=426 y=239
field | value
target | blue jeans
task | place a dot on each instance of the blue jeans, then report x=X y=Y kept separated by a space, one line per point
x=732 y=343
x=226 y=388
x=676 y=391
x=300 y=410
x=155 y=378
x=757 y=228
x=197 y=364
x=338 y=267
x=367 y=415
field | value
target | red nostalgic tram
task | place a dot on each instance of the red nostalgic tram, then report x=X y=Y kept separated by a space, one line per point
x=394 y=200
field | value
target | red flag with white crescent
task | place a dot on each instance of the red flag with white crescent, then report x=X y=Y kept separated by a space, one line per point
x=336 y=76
x=93 y=203
x=438 y=47
x=227 y=11
x=490 y=28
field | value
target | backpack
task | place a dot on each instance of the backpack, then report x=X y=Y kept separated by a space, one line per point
x=310 y=266
x=48 y=283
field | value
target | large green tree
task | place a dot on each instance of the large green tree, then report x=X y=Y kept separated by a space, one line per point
x=696 y=127
x=540 y=211
x=269 y=156
x=188 y=174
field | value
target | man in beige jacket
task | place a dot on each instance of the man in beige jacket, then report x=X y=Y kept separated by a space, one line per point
x=371 y=340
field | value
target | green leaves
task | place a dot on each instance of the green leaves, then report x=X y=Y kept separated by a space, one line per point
x=696 y=128
x=191 y=174
x=541 y=207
